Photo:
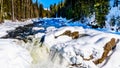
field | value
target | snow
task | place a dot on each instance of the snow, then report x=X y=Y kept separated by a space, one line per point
x=84 y=46
x=37 y=28
x=113 y=61
x=39 y=35
x=63 y=51
x=8 y=25
x=50 y=29
x=60 y=52
x=13 y=55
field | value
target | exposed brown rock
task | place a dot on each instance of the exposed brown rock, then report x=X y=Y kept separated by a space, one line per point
x=74 y=35
x=110 y=44
x=67 y=32
x=108 y=47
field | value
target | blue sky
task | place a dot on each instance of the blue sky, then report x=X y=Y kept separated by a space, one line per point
x=46 y=3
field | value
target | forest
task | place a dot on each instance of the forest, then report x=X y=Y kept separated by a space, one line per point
x=70 y=9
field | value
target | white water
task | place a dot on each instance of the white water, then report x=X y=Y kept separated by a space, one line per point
x=49 y=60
x=43 y=57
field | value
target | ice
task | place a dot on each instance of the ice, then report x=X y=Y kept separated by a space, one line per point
x=83 y=46
x=13 y=55
x=60 y=52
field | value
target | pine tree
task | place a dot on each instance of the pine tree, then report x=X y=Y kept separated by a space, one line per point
x=13 y=15
x=59 y=12
x=55 y=9
x=41 y=10
x=1 y=10
x=7 y=12
x=31 y=9
x=79 y=9
x=101 y=9
x=35 y=10
x=51 y=10
x=18 y=9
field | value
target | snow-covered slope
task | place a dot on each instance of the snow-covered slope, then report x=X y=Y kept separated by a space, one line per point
x=74 y=50
x=12 y=55
x=9 y=25
x=68 y=45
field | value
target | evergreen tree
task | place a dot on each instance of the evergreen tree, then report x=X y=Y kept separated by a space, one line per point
x=51 y=10
x=13 y=16
x=41 y=10
x=35 y=9
x=59 y=12
x=101 y=9
x=7 y=12
x=79 y=9
x=1 y=10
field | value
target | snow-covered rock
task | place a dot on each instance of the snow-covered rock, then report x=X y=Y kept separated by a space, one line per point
x=62 y=51
x=8 y=25
x=13 y=55
x=75 y=51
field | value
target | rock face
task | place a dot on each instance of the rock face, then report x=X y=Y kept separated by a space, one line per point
x=108 y=47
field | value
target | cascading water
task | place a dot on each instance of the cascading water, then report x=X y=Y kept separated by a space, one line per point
x=44 y=57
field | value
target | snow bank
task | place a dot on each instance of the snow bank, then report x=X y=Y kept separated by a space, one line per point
x=78 y=51
x=61 y=52
x=8 y=25
x=51 y=40
x=13 y=55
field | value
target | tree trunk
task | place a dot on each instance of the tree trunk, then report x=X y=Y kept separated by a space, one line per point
x=1 y=11
x=13 y=16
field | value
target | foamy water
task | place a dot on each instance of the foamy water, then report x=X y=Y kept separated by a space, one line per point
x=42 y=58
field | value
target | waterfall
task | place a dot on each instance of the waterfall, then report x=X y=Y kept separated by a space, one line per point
x=43 y=56
x=49 y=60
